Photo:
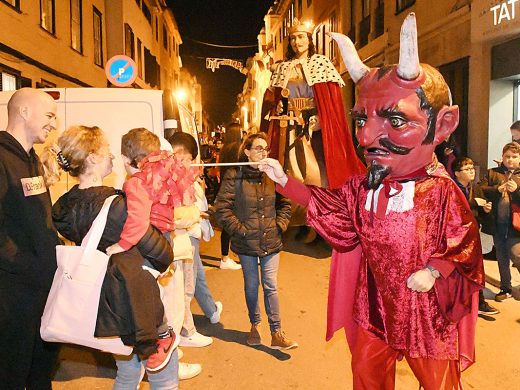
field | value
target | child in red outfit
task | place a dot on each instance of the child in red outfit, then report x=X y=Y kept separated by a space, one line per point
x=157 y=183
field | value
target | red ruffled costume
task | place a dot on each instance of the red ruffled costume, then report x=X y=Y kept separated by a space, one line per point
x=375 y=253
x=151 y=195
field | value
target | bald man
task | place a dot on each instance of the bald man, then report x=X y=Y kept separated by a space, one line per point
x=27 y=243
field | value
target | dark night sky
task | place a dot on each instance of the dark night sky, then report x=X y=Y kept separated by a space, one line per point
x=223 y=22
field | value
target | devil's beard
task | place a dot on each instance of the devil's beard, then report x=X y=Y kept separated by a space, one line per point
x=376 y=174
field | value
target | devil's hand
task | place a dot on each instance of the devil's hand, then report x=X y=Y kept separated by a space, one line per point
x=273 y=170
x=421 y=281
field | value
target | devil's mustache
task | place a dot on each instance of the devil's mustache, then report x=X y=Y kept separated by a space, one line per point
x=386 y=143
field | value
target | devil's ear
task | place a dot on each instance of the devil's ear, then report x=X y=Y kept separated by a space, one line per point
x=447 y=122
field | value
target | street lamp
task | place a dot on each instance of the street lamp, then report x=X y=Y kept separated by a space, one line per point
x=181 y=95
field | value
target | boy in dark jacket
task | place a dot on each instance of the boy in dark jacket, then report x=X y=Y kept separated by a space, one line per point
x=464 y=173
x=502 y=187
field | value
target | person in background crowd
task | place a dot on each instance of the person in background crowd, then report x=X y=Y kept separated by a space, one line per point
x=187 y=228
x=502 y=187
x=184 y=144
x=27 y=243
x=130 y=304
x=211 y=173
x=228 y=154
x=464 y=171
x=446 y=153
x=248 y=207
x=515 y=131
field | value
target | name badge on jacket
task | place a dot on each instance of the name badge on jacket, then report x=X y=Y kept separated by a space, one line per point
x=33 y=185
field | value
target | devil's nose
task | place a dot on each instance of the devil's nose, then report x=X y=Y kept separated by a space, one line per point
x=368 y=134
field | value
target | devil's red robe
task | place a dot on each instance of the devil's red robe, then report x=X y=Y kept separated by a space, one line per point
x=378 y=248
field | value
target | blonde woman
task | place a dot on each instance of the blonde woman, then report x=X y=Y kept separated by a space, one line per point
x=135 y=312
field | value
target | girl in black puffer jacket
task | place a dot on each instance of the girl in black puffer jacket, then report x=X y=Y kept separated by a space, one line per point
x=255 y=216
x=130 y=304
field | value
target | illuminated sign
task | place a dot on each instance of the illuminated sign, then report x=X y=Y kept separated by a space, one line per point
x=503 y=11
x=494 y=20
x=214 y=63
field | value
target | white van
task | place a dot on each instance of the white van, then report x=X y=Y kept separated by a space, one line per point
x=114 y=110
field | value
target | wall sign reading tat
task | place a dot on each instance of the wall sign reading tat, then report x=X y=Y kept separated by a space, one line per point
x=503 y=11
x=121 y=71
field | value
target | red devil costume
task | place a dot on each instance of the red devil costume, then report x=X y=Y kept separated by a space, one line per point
x=407 y=265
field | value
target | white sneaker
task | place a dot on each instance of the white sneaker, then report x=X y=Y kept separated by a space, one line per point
x=228 y=263
x=180 y=353
x=189 y=370
x=215 y=318
x=195 y=340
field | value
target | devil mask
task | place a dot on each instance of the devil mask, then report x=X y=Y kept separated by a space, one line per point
x=402 y=112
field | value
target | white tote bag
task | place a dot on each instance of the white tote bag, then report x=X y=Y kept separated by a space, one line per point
x=71 y=309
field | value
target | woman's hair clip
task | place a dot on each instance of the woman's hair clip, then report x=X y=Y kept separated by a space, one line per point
x=62 y=161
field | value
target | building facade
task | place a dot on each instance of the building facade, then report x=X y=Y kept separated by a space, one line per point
x=474 y=44
x=46 y=43
x=66 y=43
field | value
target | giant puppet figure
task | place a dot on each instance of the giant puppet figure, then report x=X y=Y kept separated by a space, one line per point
x=304 y=117
x=407 y=265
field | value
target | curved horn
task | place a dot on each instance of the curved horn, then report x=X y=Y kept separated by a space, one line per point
x=409 y=67
x=356 y=68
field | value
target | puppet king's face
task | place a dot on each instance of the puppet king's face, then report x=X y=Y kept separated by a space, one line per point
x=390 y=125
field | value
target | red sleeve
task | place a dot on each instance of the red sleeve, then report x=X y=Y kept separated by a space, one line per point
x=445 y=268
x=139 y=207
x=296 y=191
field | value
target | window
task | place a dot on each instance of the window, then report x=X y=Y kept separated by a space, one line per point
x=45 y=84
x=98 y=37
x=317 y=40
x=516 y=101
x=379 y=27
x=365 y=5
x=47 y=15
x=139 y=58
x=129 y=41
x=147 y=13
x=165 y=36
x=401 y=5
x=14 y=3
x=76 y=25
x=8 y=82
x=333 y=26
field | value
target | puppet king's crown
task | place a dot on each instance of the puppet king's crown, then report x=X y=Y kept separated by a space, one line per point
x=301 y=26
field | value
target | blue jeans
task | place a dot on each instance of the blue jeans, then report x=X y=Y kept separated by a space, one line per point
x=508 y=249
x=269 y=271
x=129 y=371
x=202 y=293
